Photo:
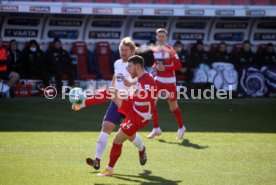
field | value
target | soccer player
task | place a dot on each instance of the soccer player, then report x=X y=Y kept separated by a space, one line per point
x=121 y=80
x=138 y=110
x=165 y=64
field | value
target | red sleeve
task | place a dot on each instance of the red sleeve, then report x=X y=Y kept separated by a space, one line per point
x=176 y=62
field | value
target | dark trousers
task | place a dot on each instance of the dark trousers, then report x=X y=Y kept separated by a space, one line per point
x=57 y=71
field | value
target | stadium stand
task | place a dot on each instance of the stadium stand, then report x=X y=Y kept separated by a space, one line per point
x=186 y=2
x=95 y=38
x=104 y=1
x=80 y=49
x=262 y=2
x=241 y=2
x=104 y=52
x=123 y=1
x=143 y=1
x=163 y=1
x=183 y=1
x=236 y=49
x=222 y=2
x=209 y=2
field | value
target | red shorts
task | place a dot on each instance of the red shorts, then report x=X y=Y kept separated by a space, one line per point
x=133 y=122
x=166 y=91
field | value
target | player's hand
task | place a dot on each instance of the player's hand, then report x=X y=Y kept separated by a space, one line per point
x=160 y=67
x=127 y=83
x=76 y=107
x=154 y=68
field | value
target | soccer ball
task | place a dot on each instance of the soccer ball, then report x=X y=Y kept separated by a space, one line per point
x=76 y=95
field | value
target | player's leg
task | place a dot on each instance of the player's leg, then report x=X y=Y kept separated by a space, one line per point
x=98 y=98
x=111 y=118
x=156 y=131
x=115 y=152
x=107 y=128
x=137 y=142
x=178 y=116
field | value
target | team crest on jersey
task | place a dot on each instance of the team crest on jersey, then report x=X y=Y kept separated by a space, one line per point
x=163 y=94
x=120 y=77
x=147 y=87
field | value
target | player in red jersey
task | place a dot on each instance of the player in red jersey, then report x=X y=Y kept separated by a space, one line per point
x=165 y=64
x=138 y=109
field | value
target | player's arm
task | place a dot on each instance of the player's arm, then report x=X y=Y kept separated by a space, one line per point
x=146 y=94
x=113 y=81
x=130 y=82
x=175 y=61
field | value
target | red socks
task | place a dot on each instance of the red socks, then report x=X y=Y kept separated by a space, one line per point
x=155 y=118
x=178 y=116
x=115 y=153
x=98 y=98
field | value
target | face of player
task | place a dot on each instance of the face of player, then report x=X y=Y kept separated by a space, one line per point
x=161 y=38
x=125 y=52
x=132 y=69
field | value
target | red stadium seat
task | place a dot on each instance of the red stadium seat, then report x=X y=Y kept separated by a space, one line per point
x=222 y=2
x=163 y=2
x=104 y=1
x=80 y=49
x=241 y=2
x=262 y=2
x=63 y=0
x=214 y=47
x=261 y=48
x=43 y=0
x=103 y=51
x=84 y=1
x=236 y=49
x=123 y=1
x=183 y=1
x=143 y=1
x=202 y=1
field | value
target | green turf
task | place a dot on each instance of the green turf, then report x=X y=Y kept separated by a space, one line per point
x=228 y=142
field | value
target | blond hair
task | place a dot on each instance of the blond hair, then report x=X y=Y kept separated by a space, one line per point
x=161 y=30
x=129 y=43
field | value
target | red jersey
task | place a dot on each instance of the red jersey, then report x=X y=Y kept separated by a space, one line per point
x=139 y=108
x=169 y=58
x=142 y=101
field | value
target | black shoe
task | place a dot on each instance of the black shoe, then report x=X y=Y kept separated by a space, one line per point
x=143 y=156
x=94 y=163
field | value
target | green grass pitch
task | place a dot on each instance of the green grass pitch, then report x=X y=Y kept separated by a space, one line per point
x=228 y=142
